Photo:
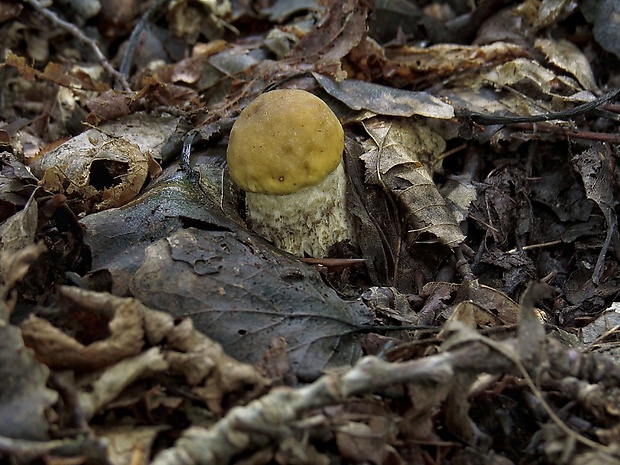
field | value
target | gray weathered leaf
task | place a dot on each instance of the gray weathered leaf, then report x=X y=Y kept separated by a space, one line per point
x=384 y=100
x=229 y=281
x=243 y=295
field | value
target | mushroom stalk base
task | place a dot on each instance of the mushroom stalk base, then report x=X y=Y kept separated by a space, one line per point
x=308 y=221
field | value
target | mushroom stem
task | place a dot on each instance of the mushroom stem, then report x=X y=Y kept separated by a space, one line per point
x=308 y=221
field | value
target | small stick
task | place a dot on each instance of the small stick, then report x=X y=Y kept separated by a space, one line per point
x=73 y=30
x=587 y=135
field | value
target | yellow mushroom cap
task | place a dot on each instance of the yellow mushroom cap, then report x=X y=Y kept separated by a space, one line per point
x=283 y=141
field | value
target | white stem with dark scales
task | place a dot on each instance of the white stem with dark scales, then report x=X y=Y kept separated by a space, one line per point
x=308 y=221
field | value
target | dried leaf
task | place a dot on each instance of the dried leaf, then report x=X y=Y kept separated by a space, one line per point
x=207 y=368
x=522 y=69
x=565 y=55
x=118 y=238
x=604 y=327
x=55 y=73
x=360 y=442
x=531 y=332
x=102 y=387
x=242 y=294
x=540 y=14
x=110 y=105
x=99 y=171
x=23 y=395
x=59 y=350
x=396 y=161
x=19 y=230
x=460 y=193
x=384 y=100
x=129 y=444
x=341 y=28
x=594 y=166
x=413 y=64
x=211 y=373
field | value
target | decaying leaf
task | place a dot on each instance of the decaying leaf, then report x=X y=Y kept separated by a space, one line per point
x=595 y=170
x=23 y=395
x=238 y=291
x=411 y=64
x=59 y=350
x=130 y=444
x=207 y=368
x=98 y=171
x=541 y=14
x=55 y=73
x=399 y=158
x=98 y=389
x=117 y=359
x=362 y=442
x=484 y=304
x=567 y=56
x=19 y=230
x=341 y=28
x=384 y=100
x=118 y=238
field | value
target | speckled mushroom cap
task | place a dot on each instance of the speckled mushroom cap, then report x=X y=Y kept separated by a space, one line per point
x=283 y=141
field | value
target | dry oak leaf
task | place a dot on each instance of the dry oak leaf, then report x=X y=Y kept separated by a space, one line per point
x=396 y=158
x=59 y=350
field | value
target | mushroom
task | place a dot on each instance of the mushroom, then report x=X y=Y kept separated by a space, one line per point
x=285 y=151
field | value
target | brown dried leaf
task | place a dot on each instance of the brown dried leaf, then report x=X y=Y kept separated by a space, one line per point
x=206 y=367
x=409 y=64
x=211 y=372
x=341 y=28
x=396 y=159
x=565 y=55
x=170 y=95
x=59 y=350
x=55 y=73
x=129 y=444
x=110 y=105
x=97 y=170
x=360 y=442
x=102 y=387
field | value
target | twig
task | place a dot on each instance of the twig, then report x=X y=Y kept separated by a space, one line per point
x=75 y=31
x=587 y=135
x=274 y=412
x=482 y=118
x=134 y=38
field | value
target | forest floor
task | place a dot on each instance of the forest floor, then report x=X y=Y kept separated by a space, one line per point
x=471 y=318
